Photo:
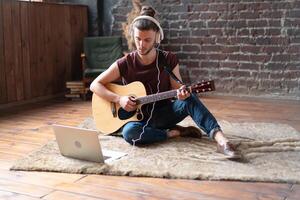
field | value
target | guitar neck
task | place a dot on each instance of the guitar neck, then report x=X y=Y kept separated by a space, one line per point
x=197 y=88
x=156 y=97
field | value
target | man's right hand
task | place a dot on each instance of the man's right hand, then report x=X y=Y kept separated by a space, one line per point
x=127 y=103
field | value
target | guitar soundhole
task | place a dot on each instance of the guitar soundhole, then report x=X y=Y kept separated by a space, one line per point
x=123 y=114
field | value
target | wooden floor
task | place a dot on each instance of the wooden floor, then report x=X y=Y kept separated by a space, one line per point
x=24 y=129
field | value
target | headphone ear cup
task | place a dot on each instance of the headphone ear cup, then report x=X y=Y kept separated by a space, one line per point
x=157 y=38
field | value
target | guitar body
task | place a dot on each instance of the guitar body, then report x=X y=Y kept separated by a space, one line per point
x=109 y=117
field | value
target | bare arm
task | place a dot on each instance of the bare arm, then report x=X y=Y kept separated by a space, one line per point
x=176 y=72
x=182 y=94
x=108 y=76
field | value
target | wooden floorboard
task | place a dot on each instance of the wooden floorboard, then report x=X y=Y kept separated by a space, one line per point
x=25 y=128
x=14 y=196
x=24 y=188
x=48 y=179
x=295 y=193
x=68 y=196
x=189 y=189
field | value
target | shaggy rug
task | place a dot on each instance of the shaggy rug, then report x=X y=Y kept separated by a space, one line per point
x=271 y=153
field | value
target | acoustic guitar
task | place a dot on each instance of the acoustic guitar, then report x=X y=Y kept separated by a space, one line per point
x=109 y=116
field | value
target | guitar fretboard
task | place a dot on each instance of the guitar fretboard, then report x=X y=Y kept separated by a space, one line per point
x=156 y=97
x=198 y=88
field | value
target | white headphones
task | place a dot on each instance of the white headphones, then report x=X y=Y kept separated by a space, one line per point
x=161 y=32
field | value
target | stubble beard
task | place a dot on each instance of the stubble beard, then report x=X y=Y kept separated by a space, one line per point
x=148 y=51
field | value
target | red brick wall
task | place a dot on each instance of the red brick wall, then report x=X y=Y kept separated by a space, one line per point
x=248 y=47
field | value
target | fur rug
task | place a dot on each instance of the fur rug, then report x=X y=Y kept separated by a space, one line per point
x=271 y=153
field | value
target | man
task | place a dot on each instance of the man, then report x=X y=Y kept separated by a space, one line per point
x=144 y=65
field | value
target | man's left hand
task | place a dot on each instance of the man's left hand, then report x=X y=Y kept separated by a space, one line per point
x=182 y=93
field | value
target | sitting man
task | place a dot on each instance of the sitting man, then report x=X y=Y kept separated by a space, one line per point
x=161 y=117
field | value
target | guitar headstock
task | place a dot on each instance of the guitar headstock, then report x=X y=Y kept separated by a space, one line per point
x=204 y=86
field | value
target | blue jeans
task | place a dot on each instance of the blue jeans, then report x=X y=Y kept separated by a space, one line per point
x=168 y=116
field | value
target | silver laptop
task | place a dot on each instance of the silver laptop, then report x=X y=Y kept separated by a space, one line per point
x=82 y=144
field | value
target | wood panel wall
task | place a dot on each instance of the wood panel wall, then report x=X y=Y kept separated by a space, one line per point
x=40 y=45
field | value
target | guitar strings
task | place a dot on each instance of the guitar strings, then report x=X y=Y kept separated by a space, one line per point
x=153 y=105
